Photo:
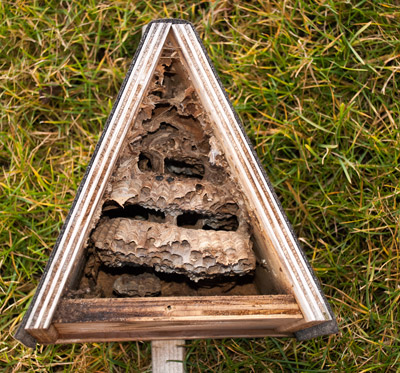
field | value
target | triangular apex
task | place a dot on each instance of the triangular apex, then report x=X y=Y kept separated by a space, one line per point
x=175 y=202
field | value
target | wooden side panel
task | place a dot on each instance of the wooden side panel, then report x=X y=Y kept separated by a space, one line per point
x=83 y=214
x=275 y=240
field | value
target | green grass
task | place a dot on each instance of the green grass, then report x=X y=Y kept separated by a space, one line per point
x=316 y=84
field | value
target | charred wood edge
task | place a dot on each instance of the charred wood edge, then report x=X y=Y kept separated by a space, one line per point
x=329 y=327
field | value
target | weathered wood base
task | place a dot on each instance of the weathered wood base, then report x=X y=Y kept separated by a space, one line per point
x=129 y=319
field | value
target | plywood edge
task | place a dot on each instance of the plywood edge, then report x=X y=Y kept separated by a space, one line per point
x=45 y=336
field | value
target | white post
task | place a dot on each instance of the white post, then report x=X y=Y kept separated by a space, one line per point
x=167 y=356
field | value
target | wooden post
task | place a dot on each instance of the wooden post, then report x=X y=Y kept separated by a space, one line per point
x=167 y=356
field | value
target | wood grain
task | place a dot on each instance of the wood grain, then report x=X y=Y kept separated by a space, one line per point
x=175 y=308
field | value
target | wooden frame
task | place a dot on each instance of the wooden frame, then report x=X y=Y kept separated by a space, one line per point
x=304 y=305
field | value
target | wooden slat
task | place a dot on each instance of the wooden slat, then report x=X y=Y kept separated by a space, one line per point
x=108 y=332
x=175 y=308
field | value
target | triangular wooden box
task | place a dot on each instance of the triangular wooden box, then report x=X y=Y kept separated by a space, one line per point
x=289 y=300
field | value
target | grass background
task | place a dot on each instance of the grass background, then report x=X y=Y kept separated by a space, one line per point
x=316 y=84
